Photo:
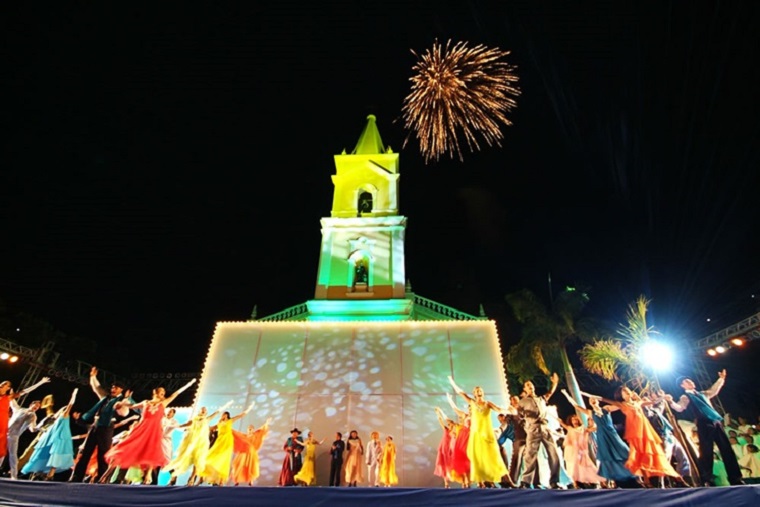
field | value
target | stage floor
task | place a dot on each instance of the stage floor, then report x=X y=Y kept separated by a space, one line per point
x=49 y=494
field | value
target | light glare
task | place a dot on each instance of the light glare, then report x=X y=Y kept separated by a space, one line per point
x=656 y=355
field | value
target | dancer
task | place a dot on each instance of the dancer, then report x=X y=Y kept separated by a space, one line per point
x=709 y=428
x=612 y=452
x=168 y=425
x=143 y=447
x=443 y=457
x=307 y=475
x=42 y=428
x=580 y=467
x=674 y=451
x=194 y=447
x=245 y=464
x=646 y=454
x=460 y=463
x=55 y=450
x=534 y=411
x=374 y=456
x=517 y=423
x=219 y=457
x=100 y=436
x=336 y=459
x=6 y=395
x=355 y=449
x=292 y=462
x=504 y=432
x=486 y=465
x=22 y=419
x=388 y=475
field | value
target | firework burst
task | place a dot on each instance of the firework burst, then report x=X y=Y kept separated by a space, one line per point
x=459 y=94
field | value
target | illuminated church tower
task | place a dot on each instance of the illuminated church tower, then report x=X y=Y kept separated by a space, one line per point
x=366 y=353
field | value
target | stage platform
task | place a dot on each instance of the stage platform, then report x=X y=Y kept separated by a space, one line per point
x=59 y=494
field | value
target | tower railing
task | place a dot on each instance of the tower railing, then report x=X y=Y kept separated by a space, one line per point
x=443 y=309
x=301 y=310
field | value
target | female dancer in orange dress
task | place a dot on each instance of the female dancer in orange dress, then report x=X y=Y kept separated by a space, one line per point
x=646 y=456
x=245 y=465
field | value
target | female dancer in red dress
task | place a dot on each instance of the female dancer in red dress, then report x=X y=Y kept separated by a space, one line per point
x=443 y=458
x=143 y=446
x=460 y=437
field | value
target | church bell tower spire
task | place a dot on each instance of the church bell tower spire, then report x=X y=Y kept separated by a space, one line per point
x=362 y=250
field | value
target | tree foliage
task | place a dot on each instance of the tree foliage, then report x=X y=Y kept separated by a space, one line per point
x=617 y=358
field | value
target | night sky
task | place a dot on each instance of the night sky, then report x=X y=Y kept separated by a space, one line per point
x=165 y=165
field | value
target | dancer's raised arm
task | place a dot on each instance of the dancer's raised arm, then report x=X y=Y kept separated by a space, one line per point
x=243 y=413
x=67 y=410
x=31 y=388
x=179 y=391
x=219 y=410
x=459 y=412
x=575 y=405
x=459 y=390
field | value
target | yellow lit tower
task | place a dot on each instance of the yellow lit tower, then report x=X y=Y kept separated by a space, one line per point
x=366 y=353
x=362 y=255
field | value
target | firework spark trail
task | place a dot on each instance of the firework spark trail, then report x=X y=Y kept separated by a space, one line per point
x=459 y=92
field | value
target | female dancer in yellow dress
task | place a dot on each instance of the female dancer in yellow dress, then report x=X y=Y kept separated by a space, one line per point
x=388 y=475
x=219 y=457
x=486 y=465
x=193 y=448
x=306 y=476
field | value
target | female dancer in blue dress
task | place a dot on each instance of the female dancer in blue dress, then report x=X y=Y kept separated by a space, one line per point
x=55 y=449
x=612 y=452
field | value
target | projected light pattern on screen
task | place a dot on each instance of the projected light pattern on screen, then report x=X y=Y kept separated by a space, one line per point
x=340 y=376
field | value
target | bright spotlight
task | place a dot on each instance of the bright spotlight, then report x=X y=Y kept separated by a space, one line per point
x=711 y=352
x=13 y=359
x=656 y=355
x=737 y=341
x=4 y=356
x=720 y=349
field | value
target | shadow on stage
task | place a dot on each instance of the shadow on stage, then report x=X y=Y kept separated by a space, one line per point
x=26 y=493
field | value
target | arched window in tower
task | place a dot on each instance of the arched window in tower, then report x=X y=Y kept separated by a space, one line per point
x=361 y=273
x=365 y=203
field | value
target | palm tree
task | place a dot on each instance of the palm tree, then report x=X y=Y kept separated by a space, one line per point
x=545 y=333
x=618 y=358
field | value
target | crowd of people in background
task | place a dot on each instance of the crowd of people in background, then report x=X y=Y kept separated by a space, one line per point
x=530 y=448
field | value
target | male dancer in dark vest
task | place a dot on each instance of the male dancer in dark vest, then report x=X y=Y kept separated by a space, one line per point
x=101 y=434
x=517 y=423
x=336 y=459
x=533 y=410
x=709 y=428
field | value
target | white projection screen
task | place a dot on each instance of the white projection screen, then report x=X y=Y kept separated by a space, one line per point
x=341 y=376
